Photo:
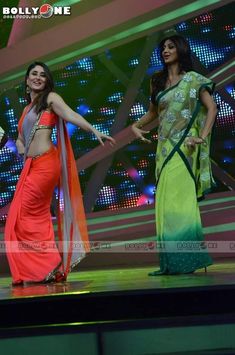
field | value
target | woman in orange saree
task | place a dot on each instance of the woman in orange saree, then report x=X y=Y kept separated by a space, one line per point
x=32 y=252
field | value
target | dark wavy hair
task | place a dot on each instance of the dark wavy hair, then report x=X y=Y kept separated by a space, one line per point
x=41 y=100
x=159 y=79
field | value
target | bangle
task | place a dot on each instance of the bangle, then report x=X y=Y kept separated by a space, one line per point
x=203 y=140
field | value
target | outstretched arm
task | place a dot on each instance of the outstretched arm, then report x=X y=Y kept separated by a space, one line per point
x=148 y=117
x=64 y=111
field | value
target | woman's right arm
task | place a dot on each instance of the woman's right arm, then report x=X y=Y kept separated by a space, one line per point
x=148 y=117
x=20 y=144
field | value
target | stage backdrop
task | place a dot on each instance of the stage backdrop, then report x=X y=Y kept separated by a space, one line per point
x=96 y=90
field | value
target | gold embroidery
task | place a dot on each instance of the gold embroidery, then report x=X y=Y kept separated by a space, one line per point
x=44 y=127
x=51 y=275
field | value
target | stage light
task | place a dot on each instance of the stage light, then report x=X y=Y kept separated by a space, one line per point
x=230 y=89
x=208 y=54
x=116 y=97
x=205 y=18
x=83 y=82
x=229 y=144
x=143 y=163
x=149 y=190
x=155 y=59
x=137 y=110
x=83 y=109
x=107 y=111
x=60 y=83
x=133 y=62
x=85 y=64
x=182 y=26
x=232 y=34
x=11 y=146
x=7 y=101
x=206 y=30
x=98 y=94
x=23 y=101
x=71 y=128
x=228 y=160
x=144 y=200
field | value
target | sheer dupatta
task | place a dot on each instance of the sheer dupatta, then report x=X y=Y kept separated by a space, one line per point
x=72 y=227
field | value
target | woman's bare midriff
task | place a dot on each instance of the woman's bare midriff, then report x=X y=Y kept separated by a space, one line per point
x=41 y=142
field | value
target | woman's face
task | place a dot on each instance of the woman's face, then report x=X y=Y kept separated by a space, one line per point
x=169 y=52
x=36 y=80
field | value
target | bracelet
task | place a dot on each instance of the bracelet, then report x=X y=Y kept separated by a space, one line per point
x=203 y=140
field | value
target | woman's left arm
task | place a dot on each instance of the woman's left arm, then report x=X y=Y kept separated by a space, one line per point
x=64 y=111
x=209 y=103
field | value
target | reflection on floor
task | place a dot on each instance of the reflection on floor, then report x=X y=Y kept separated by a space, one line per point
x=123 y=279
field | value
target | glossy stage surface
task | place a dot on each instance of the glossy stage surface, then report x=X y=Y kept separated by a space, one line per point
x=111 y=306
x=122 y=311
x=220 y=274
x=104 y=291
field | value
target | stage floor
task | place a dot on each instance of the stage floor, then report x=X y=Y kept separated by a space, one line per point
x=122 y=311
x=111 y=302
x=221 y=273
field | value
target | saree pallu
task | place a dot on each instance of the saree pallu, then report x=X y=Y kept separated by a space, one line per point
x=182 y=175
x=72 y=226
x=29 y=234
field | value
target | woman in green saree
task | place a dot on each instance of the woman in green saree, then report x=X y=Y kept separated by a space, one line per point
x=181 y=102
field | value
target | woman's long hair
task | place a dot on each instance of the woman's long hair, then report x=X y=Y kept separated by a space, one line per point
x=40 y=102
x=158 y=80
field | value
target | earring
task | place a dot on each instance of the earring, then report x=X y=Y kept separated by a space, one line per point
x=27 y=90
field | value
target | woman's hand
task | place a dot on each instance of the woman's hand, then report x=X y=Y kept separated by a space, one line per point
x=100 y=136
x=139 y=133
x=191 y=142
x=3 y=138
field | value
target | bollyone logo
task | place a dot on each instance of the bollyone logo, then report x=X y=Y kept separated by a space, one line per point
x=44 y=11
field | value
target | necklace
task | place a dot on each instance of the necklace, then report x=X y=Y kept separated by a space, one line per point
x=174 y=81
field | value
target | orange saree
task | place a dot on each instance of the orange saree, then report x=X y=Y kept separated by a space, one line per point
x=32 y=252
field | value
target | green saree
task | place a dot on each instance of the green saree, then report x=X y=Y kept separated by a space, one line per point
x=183 y=175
